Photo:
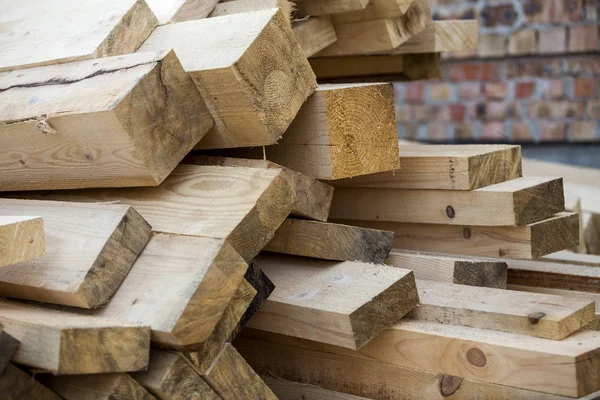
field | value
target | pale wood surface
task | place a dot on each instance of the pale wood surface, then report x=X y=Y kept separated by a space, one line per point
x=324 y=7
x=117 y=121
x=559 y=292
x=90 y=249
x=568 y=257
x=519 y=201
x=66 y=343
x=443 y=37
x=16 y=384
x=525 y=242
x=451 y=269
x=314 y=34
x=21 y=239
x=181 y=10
x=241 y=6
x=41 y=32
x=288 y=390
x=96 y=387
x=329 y=241
x=249 y=69
x=342 y=303
x=454 y=167
x=375 y=9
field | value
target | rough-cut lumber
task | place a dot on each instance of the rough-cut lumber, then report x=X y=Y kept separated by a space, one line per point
x=65 y=343
x=8 y=346
x=21 y=239
x=450 y=269
x=118 y=121
x=375 y=9
x=49 y=32
x=319 y=300
x=313 y=197
x=90 y=249
x=241 y=6
x=443 y=37
x=243 y=205
x=181 y=10
x=232 y=378
x=250 y=70
x=171 y=377
x=540 y=315
x=314 y=34
x=568 y=257
x=518 y=202
x=454 y=167
x=324 y=7
x=559 y=292
x=329 y=241
x=17 y=385
x=288 y=390
x=530 y=241
x=96 y=387
x=179 y=286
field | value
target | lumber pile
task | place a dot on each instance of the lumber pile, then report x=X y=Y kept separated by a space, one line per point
x=185 y=213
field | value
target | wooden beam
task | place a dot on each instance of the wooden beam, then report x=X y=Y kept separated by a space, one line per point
x=8 y=347
x=531 y=314
x=450 y=269
x=559 y=292
x=16 y=384
x=96 y=387
x=325 y=7
x=518 y=202
x=313 y=197
x=249 y=69
x=450 y=167
x=141 y=115
x=317 y=300
x=170 y=377
x=192 y=199
x=180 y=10
x=443 y=37
x=288 y=390
x=91 y=30
x=90 y=249
x=526 y=242
x=243 y=6
x=21 y=239
x=375 y=9
x=329 y=241
x=314 y=34
x=66 y=343
x=568 y=257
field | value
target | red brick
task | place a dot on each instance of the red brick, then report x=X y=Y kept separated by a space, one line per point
x=552 y=40
x=431 y=113
x=501 y=15
x=534 y=67
x=495 y=90
x=493 y=132
x=469 y=91
x=521 y=132
x=556 y=109
x=553 y=131
x=583 y=38
x=499 y=110
x=414 y=92
x=457 y=112
x=553 y=89
x=537 y=11
x=584 y=87
x=582 y=131
x=593 y=109
x=522 y=42
x=584 y=65
x=464 y=132
x=436 y=131
x=524 y=90
x=474 y=71
x=440 y=91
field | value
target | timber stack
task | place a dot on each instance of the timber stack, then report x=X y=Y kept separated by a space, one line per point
x=186 y=214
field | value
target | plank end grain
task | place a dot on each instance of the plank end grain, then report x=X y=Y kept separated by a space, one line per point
x=21 y=239
x=495 y=167
x=554 y=234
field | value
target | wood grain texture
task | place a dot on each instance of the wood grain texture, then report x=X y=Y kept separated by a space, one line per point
x=559 y=292
x=451 y=269
x=448 y=167
x=21 y=239
x=17 y=385
x=325 y=7
x=180 y=10
x=375 y=9
x=313 y=197
x=96 y=387
x=242 y=6
x=319 y=300
x=568 y=257
x=314 y=34
x=118 y=121
x=91 y=30
x=329 y=241
x=525 y=242
x=249 y=69
x=170 y=377
x=90 y=249
x=66 y=343
x=288 y=390
x=443 y=37
x=8 y=347
x=243 y=205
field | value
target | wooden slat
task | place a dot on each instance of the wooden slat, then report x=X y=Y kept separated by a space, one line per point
x=530 y=241
x=90 y=249
x=288 y=390
x=451 y=269
x=559 y=292
x=443 y=37
x=41 y=33
x=568 y=257
x=375 y=9
x=65 y=343
x=329 y=241
x=110 y=122
x=324 y=7
x=96 y=387
x=450 y=167
x=249 y=69
x=16 y=384
x=181 y=10
x=21 y=239
x=242 y=6
x=314 y=34
x=532 y=314
x=318 y=300
x=8 y=347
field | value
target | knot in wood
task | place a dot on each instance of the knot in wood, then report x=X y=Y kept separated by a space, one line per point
x=476 y=357
x=467 y=233
x=449 y=385
x=535 y=318
x=450 y=212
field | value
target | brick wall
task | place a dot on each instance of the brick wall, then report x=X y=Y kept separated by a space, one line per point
x=535 y=76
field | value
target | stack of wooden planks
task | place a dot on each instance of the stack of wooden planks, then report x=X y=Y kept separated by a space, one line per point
x=185 y=213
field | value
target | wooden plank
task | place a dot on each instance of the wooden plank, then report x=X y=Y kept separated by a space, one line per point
x=559 y=292
x=90 y=249
x=448 y=36
x=518 y=202
x=91 y=30
x=96 y=387
x=243 y=205
x=288 y=390
x=375 y=9
x=232 y=378
x=110 y=122
x=180 y=10
x=242 y=6
x=592 y=234
x=17 y=385
x=170 y=377
x=8 y=347
x=66 y=343
x=314 y=34
x=532 y=314
x=530 y=241
x=450 y=167
x=313 y=197
x=318 y=300
x=324 y=7
x=329 y=241
x=568 y=257
x=249 y=69
x=21 y=239
x=184 y=302
x=450 y=269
